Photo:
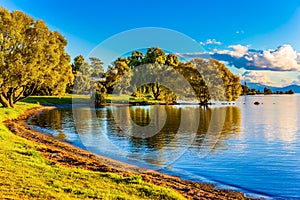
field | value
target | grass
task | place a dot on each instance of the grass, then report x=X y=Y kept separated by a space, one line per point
x=54 y=100
x=125 y=98
x=26 y=174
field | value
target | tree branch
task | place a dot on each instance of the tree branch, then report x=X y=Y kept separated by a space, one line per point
x=31 y=90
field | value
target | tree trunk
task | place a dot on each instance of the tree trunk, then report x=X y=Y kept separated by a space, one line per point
x=155 y=90
x=24 y=95
x=120 y=91
x=11 y=100
x=5 y=102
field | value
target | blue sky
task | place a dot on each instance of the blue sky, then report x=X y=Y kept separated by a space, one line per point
x=223 y=28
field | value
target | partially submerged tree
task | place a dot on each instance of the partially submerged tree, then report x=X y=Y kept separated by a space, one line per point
x=31 y=57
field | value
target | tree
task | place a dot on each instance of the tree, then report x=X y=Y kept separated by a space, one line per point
x=267 y=91
x=190 y=72
x=231 y=83
x=87 y=75
x=78 y=61
x=120 y=71
x=155 y=55
x=172 y=60
x=253 y=91
x=99 y=98
x=160 y=74
x=135 y=59
x=82 y=76
x=31 y=57
x=289 y=92
x=245 y=89
x=211 y=80
x=97 y=67
x=217 y=84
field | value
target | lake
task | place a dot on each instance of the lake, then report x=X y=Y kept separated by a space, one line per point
x=250 y=148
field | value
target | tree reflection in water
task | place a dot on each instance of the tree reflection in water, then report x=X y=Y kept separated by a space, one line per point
x=52 y=120
x=214 y=126
x=231 y=116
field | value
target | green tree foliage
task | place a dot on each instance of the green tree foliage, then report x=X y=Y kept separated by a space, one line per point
x=155 y=55
x=172 y=60
x=120 y=71
x=97 y=67
x=209 y=79
x=289 y=92
x=245 y=89
x=83 y=72
x=190 y=72
x=253 y=91
x=99 y=98
x=136 y=59
x=31 y=58
x=231 y=82
x=87 y=75
x=267 y=91
x=159 y=74
x=78 y=61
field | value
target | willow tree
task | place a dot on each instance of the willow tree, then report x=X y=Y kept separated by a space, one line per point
x=211 y=80
x=31 y=57
x=118 y=76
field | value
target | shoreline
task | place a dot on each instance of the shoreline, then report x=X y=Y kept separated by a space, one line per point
x=61 y=153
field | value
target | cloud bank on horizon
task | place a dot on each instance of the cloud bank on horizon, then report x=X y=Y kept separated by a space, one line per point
x=268 y=67
x=284 y=58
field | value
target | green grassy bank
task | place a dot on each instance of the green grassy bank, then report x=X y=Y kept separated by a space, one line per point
x=26 y=174
x=53 y=100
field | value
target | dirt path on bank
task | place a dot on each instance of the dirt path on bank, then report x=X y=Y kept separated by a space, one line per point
x=65 y=154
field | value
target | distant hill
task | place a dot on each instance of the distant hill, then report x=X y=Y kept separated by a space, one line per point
x=260 y=87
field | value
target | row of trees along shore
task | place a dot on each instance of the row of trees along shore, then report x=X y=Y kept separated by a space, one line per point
x=252 y=91
x=158 y=62
x=33 y=61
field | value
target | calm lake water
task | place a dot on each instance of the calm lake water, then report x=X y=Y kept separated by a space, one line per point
x=251 y=148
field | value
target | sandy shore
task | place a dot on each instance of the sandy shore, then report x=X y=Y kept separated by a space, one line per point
x=61 y=153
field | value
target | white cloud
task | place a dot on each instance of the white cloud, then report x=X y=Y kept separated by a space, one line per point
x=297 y=81
x=273 y=67
x=284 y=58
x=270 y=78
x=237 y=51
x=257 y=77
x=211 y=42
